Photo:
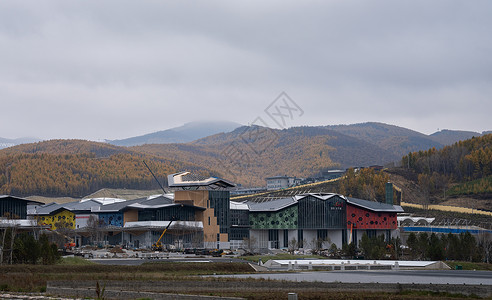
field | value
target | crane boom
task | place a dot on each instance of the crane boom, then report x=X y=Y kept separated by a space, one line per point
x=159 y=240
x=154 y=177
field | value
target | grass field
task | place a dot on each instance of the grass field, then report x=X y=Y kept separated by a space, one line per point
x=33 y=278
x=469 y=265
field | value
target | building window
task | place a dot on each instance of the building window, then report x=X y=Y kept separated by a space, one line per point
x=300 y=238
x=273 y=237
x=208 y=221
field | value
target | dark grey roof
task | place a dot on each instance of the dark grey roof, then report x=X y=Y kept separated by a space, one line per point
x=118 y=206
x=279 y=177
x=194 y=177
x=21 y=199
x=278 y=204
x=161 y=199
x=273 y=205
x=374 y=206
x=82 y=206
x=141 y=203
x=76 y=206
x=47 y=209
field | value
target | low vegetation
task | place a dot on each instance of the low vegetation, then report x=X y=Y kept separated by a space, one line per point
x=462 y=247
x=75 y=261
x=471 y=266
x=25 y=249
x=33 y=278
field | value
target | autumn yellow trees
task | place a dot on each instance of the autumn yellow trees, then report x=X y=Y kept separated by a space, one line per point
x=366 y=183
x=469 y=160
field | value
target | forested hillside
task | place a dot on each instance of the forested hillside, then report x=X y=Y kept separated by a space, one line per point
x=397 y=140
x=250 y=154
x=245 y=156
x=84 y=167
x=465 y=167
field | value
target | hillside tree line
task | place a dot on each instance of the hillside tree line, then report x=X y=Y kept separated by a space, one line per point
x=468 y=162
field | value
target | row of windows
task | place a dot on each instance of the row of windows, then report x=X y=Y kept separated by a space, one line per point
x=178 y=213
x=12 y=208
x=219 y=201
x=317 y=213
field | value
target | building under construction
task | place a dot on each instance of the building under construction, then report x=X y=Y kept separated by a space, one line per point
x=200 y=214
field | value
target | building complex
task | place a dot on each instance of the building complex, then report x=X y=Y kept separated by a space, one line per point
x=202 y=215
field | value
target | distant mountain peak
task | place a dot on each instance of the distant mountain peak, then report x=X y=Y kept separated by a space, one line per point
x=449 y=137
x=182 y=134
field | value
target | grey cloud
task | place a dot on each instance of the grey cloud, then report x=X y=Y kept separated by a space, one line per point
x=114 y=65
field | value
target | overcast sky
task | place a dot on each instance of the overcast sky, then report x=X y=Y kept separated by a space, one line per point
x=116 y=69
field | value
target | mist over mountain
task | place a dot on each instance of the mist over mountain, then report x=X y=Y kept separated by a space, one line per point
x=183 y=134
x=5 y=143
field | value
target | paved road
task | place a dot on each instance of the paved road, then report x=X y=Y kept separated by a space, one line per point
x=381 y=276
x=400 y=276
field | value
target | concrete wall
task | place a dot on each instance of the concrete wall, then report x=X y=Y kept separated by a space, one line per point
x=260 y=237
x=82 y=220
x=335 y=237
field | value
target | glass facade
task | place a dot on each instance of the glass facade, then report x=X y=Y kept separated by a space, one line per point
x=178 y=213
x=219 y=201
x=239 y=225
x=315 y=213
x=238 y=233
x=13 y=208
x=239 y=217
x=273 y=238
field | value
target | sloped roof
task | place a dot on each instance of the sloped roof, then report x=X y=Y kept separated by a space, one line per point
x=238 y=205
x=278 y=204
x=186 y=179
x=273 y=205
x=75 y=206
x=151 y=202
x=104 y=200
x=116 y=207
x=21 y=199
x=374 y=206
x=46 y=209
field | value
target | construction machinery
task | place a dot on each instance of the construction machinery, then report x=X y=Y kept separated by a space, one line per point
x=158 y=246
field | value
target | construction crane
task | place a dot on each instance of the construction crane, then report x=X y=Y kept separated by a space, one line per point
x=158 y=246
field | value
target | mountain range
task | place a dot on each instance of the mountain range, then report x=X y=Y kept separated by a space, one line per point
x=182 y=134
x=245 y=155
